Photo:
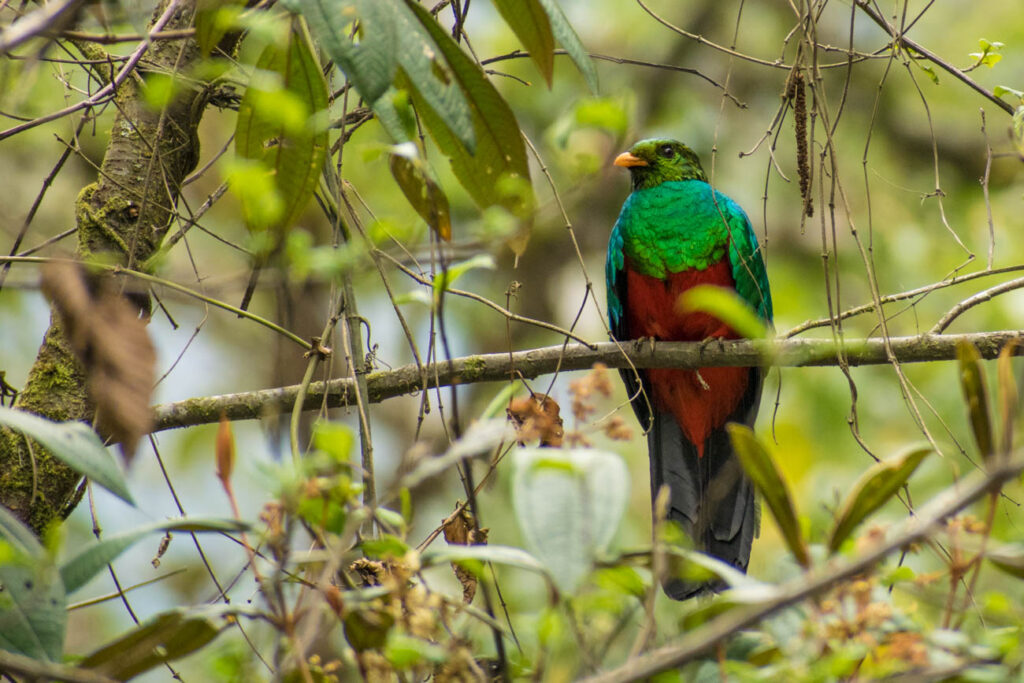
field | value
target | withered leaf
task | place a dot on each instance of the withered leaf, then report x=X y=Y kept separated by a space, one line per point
x=109 y=337
x=460 y=529
x=537 y=417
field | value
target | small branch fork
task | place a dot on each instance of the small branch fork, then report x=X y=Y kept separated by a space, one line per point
x=531 y=363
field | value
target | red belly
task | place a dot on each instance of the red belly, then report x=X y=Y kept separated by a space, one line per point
x=700 y=400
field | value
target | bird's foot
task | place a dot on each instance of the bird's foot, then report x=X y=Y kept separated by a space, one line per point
x=708 y=341
x=638 y=344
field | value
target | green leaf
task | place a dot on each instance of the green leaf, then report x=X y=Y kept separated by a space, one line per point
x=423 y=193
x=74 y=444
x=371 y=63
x=872 y=490
x=164 y=638
x=18 y=536
x=1009 y=399
x=444 y=281
x=498 y=554
x=495 y=170
x=33 y=613
x=384 y=546
x=214 y=18
x=33 y=607
x=1007 y=558
x=1001 y=90
x=972 y=381
x=727 y=306
x=765 y=476
x=568 y=504
x=282 y=125
x=425 y=57
x=528 y=19
x=82 y=567
x=567 y=38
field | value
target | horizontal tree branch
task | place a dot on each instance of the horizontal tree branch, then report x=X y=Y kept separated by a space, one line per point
x=911 y=530
x=495 y=367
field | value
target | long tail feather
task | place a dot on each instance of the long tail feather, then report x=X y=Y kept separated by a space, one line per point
x=710 y=497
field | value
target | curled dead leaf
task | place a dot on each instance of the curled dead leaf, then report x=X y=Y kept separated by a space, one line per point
x=583 y=390
x=460 y=529
x=109 y=338
x=537 y=417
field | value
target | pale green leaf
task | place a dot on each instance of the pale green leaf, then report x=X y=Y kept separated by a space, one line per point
x=568 y=504
x=765 y=475
x=567 y=38
x=528 y=19
x=74 y=444
x=872 y=490
x=727 y=306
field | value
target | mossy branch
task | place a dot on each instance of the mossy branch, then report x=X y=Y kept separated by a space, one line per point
x=496 y=367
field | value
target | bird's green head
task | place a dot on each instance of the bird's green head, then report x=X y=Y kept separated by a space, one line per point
x=655 y=161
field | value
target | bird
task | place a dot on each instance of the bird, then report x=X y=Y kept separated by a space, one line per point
x=675 y=232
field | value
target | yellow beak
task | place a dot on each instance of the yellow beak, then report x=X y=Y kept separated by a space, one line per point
x=627 y=160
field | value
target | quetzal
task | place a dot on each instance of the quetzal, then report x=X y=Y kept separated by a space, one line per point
x=675 y=232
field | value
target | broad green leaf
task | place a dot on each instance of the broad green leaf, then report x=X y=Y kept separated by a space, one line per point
x=427 y=71
x=33 y=607
x=567 y=38
x=82 y=567
x=282 y=125
x=444 y=281
x=764 y=474
x=498 y=554
x=18 y=536
x=1001 y=90
x=74 y=444
x=727 y=306
x=872 y=490
x=424 y=194
x=1007 y=558
x=972 y=381
x=528 y=19
x=214 y=18
x=384 y=546
x=370 y=63
x=495 y=171
x=164 y=638
x=568 y=504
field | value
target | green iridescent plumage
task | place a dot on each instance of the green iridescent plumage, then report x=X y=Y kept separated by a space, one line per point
x=676 y=232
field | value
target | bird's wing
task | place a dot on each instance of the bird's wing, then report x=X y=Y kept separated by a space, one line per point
x=615 y=277
x=747 y=265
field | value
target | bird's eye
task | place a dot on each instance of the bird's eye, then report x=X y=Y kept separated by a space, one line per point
x=667 y=151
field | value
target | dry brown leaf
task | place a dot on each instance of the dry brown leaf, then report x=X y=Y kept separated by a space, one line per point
x=109 y=337
x=583 y=390
x=537 y=417
x=460 y=529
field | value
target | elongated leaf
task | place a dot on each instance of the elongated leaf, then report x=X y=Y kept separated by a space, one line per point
x=499 y=554
x=80 y=569
x=1007 y=558
x=568 y=504
x=972 y=381
x=443 y=282
x=1009 y=400
x=427 y=71
x=873 y=490
x=74 y=444
x=369 y=64
x=423 y=193
x=761 y=469
x=566 y=36
x=18 y=536
x=214 y=18
x=727 y=306
x=164 y=638
x=282 y=125
x=528 y=19
x=33 y=607
x=495 y=171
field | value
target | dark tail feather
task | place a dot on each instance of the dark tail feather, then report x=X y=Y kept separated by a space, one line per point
x=710 y=497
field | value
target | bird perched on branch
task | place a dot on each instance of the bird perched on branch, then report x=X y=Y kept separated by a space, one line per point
x=676 y=232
